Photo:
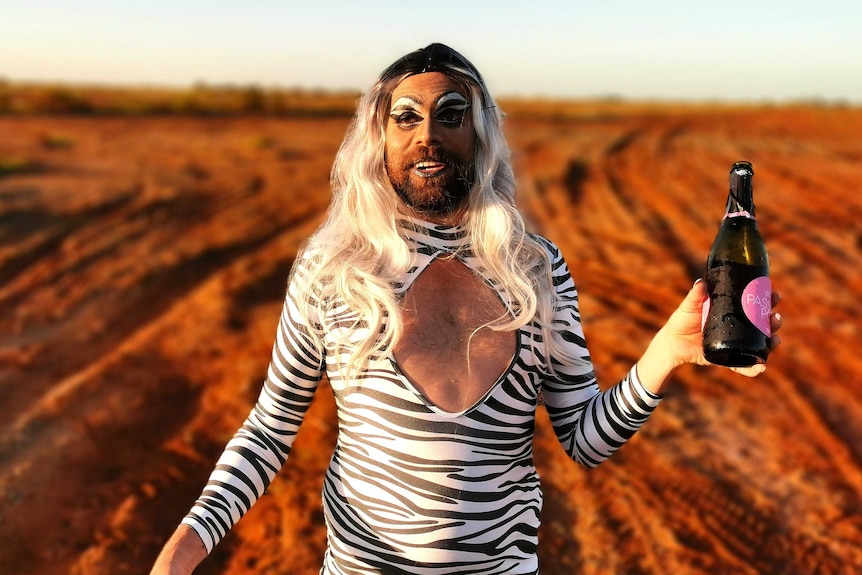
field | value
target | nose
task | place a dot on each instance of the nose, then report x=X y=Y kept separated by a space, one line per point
x=428 y=132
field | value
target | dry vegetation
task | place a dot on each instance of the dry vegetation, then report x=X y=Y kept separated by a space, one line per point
x=201 y=99
x=143 y=258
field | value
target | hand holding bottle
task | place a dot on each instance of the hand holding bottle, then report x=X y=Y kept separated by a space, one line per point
x=679 y=341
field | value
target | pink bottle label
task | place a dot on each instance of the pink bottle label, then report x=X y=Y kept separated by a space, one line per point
x=757 y=303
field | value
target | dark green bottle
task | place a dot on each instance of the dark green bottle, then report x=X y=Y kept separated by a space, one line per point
x=736 y=316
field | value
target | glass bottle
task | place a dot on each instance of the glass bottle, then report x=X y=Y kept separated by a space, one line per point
x=736 y=317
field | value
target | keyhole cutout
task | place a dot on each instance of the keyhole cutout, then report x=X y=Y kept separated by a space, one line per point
x=441 y=311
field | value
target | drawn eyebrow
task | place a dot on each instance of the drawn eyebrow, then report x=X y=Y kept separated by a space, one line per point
x=452 y=98
x=406 y=102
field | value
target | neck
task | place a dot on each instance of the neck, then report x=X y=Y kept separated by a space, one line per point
x=450 y=218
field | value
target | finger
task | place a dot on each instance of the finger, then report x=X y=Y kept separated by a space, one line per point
x=776 y=298
x=695 y=296
x=751 y=371
x=776 y=320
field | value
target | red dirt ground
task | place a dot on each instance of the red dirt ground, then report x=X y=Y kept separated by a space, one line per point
x=142 y=267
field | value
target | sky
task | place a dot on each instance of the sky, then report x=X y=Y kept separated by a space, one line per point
x=732 y=50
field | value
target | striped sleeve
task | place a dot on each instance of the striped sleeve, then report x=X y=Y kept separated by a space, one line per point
x=262 y=445
x=591 y=424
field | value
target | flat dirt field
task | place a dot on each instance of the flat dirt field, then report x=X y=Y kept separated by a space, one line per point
x=143 y=263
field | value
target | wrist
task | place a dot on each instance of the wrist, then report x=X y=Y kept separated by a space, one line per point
x=181 y=554
x=657 y=363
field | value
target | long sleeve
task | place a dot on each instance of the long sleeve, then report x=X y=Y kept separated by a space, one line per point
x=263 y=443
x=590 y=424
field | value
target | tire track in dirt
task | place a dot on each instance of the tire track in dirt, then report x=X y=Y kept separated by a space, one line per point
x=638 y=181
x=748 y=532
x=134 y=300
x=32 y=234
x=77 y=418
x=806 y=227
x=120 y=271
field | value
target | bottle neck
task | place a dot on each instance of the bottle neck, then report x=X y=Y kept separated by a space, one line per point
x=740 y=200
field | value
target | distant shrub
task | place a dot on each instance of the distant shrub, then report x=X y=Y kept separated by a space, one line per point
x=254 y=100
x=11 y=165
x=5 y=96
x=200 y=99
x=263 y=142
x=57 y=142
x=62 y=100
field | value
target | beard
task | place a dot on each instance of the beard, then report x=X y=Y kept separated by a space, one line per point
x=438 y=194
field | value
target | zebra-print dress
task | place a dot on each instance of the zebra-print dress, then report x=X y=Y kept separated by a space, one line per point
x=412 y=488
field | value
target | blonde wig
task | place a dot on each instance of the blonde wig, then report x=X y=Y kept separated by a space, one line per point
x=357 y=255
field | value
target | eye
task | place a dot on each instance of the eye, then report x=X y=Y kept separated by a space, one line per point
x=406 y=119
x=451 y=115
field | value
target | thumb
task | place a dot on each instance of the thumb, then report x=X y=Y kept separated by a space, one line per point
x=693 y=301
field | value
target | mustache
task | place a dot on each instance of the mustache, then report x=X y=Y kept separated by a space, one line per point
x=434 y=154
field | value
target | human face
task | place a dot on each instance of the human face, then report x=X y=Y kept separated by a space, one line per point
x=430 y=144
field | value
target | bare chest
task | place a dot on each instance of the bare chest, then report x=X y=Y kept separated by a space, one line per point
x=447 y=351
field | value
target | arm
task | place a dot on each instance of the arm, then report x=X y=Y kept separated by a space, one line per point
x=259 y=448
x=181 y=554
x=592 y=424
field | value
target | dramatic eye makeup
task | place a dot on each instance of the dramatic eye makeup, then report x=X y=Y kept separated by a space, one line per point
x=449 y=109
x=406 y=112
